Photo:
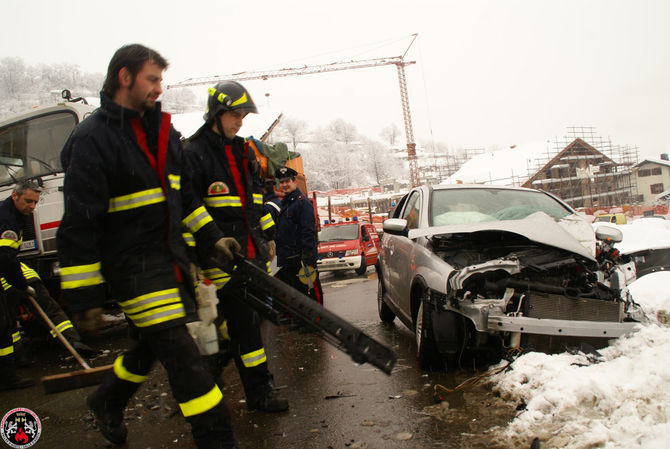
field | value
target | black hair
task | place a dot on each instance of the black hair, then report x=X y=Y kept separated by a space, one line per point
x=132 y=57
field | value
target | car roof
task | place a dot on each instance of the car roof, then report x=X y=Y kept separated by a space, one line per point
x=82 y=110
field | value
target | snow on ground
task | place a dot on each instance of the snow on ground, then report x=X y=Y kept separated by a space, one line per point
x=618 y=400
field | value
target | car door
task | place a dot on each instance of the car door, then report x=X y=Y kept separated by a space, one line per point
x=401 y=255
x=369 y=243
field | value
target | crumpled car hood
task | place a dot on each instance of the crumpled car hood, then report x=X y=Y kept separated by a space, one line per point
x=571 y=233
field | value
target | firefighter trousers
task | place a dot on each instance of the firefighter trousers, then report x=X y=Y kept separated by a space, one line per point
x=241 y=326
x=7 y=325
x=199 y=398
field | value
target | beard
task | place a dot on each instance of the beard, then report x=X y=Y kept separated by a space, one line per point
x=148 y=104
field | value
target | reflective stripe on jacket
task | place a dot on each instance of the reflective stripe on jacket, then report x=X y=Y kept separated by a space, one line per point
x=123 y=213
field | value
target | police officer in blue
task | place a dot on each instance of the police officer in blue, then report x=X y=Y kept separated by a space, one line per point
x=297 y=238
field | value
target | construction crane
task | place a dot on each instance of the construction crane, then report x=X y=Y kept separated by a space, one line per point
x=398 y=61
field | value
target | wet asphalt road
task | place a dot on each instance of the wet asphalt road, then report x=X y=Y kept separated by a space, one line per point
x=334 y=403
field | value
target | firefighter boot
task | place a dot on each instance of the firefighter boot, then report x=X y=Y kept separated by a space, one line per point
x=110 y=422
x=269 y=402
x=9 y=380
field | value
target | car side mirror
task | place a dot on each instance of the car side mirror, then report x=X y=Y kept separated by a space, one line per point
x=396 y=226
x=604 y=233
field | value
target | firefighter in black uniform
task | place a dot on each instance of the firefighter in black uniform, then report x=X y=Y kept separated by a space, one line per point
x=225 y=179
x=123 y=215
x=13 y=213
x=297 y=238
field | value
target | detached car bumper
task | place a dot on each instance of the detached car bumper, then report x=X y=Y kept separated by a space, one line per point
x=569 y=328
x=338 y=263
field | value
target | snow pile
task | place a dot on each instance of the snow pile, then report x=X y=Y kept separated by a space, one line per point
x=652 y=293
x=621 y=400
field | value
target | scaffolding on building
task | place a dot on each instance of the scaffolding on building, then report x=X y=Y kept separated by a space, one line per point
x=588 y=180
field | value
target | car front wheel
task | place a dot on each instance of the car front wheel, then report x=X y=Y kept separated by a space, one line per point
x=426 y=350
x=385 y=313
x=364 y=266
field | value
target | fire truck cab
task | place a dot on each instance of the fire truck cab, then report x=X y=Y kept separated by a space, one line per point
x=30 y=147
x=347 y=245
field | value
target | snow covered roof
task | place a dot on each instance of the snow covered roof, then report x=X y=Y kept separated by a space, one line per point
x=502 y=167
x=652 y=161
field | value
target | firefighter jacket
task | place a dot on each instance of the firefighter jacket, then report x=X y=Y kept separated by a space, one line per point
x=272 y=205
x=224 y=179
x=296 y=231
x=122 y=220
x=11 y=237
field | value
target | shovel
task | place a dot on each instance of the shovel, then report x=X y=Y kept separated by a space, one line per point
x=75 y=379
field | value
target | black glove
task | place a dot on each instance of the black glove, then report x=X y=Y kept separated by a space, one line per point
x=88 y=321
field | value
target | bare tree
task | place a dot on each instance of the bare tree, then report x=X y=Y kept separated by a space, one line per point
x=25 y=86
x=342 y=131
x=179 y=101
x=13 y=77
x=378 y=160
x=390 y=133
x=293 y=130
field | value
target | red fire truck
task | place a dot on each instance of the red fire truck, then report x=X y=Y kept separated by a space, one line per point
x=348 y=245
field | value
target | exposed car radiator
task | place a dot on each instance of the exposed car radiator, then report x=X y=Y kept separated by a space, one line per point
x=548 y=306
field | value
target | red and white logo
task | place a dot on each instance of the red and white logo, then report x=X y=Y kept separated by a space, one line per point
x=218 y=188
x=9 y=235
x=20 y=428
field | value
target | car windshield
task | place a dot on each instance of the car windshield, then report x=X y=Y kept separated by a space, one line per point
x=339 y=232
x=32 y=147
x=462 y=206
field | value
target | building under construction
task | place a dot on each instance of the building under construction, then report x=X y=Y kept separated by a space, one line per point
x=581 y=168
x=586 y=170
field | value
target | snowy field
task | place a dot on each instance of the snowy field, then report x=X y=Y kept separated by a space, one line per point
x=619 y=399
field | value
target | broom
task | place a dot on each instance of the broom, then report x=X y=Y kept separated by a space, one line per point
x=75 y=379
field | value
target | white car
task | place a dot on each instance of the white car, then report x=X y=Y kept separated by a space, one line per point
x=472 y=269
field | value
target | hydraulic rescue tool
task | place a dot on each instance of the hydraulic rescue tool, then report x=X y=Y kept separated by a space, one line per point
x=274 y=299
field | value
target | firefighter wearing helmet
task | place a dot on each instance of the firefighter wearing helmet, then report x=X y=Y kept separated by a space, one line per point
x=226 y=186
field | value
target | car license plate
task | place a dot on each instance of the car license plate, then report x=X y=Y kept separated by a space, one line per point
x=28 y=245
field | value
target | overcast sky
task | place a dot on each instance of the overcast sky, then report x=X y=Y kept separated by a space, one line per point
x=487 y=73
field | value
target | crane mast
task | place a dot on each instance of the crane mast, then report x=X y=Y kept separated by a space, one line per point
x=398 y=61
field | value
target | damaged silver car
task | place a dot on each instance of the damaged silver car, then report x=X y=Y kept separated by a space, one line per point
x=476 y=269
